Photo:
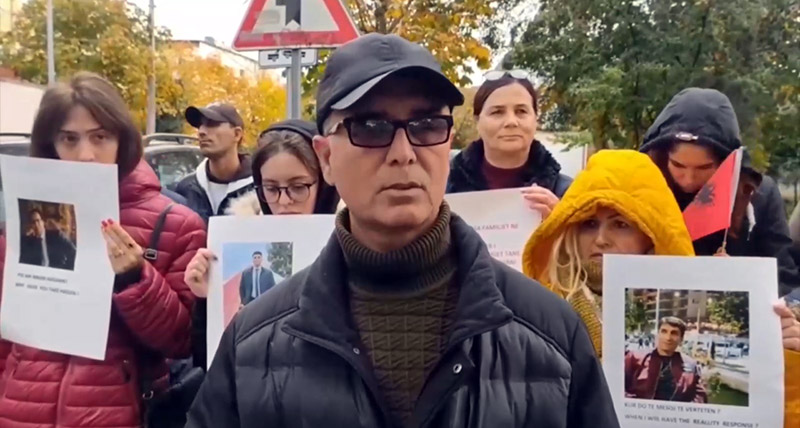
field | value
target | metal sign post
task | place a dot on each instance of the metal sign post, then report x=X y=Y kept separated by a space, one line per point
x=296 y=26
x=294 y=87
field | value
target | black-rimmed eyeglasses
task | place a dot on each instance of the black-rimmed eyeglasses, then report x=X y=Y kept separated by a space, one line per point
x=377 y=133
x=298 y=192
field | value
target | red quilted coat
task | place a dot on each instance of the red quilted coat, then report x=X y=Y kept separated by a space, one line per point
x=40 y=389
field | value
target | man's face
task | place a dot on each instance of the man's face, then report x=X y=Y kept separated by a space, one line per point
x=257 y=260
x=396 y=187
x=669 y=339
x=691 y=166
x=38 y=224
x=218 y=139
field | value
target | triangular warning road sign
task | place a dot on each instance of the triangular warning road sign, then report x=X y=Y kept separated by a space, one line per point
x=270 y=24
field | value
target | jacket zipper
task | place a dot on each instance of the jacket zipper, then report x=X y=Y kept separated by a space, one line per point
x=371 y=385
x=435 y=409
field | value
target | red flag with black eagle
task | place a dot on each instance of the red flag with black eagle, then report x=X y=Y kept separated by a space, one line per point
x=711 y=209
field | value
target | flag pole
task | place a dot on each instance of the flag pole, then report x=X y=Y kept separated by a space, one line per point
x=724 y=241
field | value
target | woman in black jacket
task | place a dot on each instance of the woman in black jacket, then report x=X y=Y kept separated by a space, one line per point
x=689 y=140
x=507 y=155
x=288 y=180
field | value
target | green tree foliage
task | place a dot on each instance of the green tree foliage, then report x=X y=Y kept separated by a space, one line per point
x=731 y=311
x=635 y=314
x=280 y=258
x=112 y=38
x=609 y=67
x=109 y=37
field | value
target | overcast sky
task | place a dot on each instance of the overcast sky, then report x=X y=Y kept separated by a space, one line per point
x=197 y=19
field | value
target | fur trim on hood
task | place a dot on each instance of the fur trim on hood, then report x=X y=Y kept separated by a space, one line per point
x=245 y=205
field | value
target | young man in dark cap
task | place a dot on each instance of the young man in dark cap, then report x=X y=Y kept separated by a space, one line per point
x=404 y=319
x=225 y=174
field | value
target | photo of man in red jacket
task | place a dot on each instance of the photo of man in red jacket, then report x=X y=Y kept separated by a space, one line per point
x=665 y=374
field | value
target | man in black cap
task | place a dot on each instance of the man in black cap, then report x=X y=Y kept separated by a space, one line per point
x=404 y=319
x=225 y=174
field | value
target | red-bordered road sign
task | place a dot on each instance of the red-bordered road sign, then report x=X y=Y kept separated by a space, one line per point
x=270 y=24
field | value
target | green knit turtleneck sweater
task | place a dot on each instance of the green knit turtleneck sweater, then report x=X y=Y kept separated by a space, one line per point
x=403 y=304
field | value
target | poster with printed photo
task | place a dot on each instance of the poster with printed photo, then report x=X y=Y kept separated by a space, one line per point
x=254 y=254
x=250 y=269
x=692 y=341
x=58 y=280
x=501 y=218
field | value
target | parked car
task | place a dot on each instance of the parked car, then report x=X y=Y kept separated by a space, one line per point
x=172 y=157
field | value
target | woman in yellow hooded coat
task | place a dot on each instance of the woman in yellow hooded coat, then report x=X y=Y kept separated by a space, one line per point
x=621 y=204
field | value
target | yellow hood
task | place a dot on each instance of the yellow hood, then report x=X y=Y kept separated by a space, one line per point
x=626 y=181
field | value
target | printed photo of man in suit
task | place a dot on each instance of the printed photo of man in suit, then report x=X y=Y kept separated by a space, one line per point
x=45 y=247
x=256 y=279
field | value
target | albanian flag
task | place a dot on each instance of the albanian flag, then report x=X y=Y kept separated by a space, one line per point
x=711 y=209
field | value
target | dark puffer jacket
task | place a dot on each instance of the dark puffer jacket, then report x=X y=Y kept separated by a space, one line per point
x=47 y=390
x=706 y=117
x=466 y=171
x=518 y=356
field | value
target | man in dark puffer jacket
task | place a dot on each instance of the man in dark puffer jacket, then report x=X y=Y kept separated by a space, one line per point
x=404 y=320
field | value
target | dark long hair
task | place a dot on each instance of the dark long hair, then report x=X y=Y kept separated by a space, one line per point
x=296 y=144
x=490 y=86
x=106 y=106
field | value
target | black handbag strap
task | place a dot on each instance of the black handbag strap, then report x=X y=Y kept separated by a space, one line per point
x=151 y=252
x=148 y=356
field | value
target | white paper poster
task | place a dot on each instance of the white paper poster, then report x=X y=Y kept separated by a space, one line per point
x=58 y=280
x=693 y=341
x=502 y=219
x=253 y=255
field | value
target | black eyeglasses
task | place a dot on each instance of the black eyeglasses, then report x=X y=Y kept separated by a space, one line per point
x=514 y=74
x=297 y=192
x=378 y=133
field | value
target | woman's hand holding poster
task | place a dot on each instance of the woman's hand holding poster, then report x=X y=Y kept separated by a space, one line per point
x=693 y=341
x=56 y=255
x=253 y=255
x=502 y=219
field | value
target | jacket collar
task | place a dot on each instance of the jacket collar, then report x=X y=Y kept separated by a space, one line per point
x=540 y=168
x=323 y=306
x=139 y=185
x=241 y=180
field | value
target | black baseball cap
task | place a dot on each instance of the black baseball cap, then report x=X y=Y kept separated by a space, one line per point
x=356 y=67
x=218 y=112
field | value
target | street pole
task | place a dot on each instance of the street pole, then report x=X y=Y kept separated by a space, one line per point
x=151 y=78
x=293 y=86
x=51 y=56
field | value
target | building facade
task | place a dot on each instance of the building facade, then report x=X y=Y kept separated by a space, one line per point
x=242 y=64
x=8 y=9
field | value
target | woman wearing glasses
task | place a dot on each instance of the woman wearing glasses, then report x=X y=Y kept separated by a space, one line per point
x=507 y=155
x=288 y=180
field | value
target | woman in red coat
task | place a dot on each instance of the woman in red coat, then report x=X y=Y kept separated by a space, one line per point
x=87 y=121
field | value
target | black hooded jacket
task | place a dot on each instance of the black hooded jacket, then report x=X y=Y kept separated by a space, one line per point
x=706 y=117
x=466 y=172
